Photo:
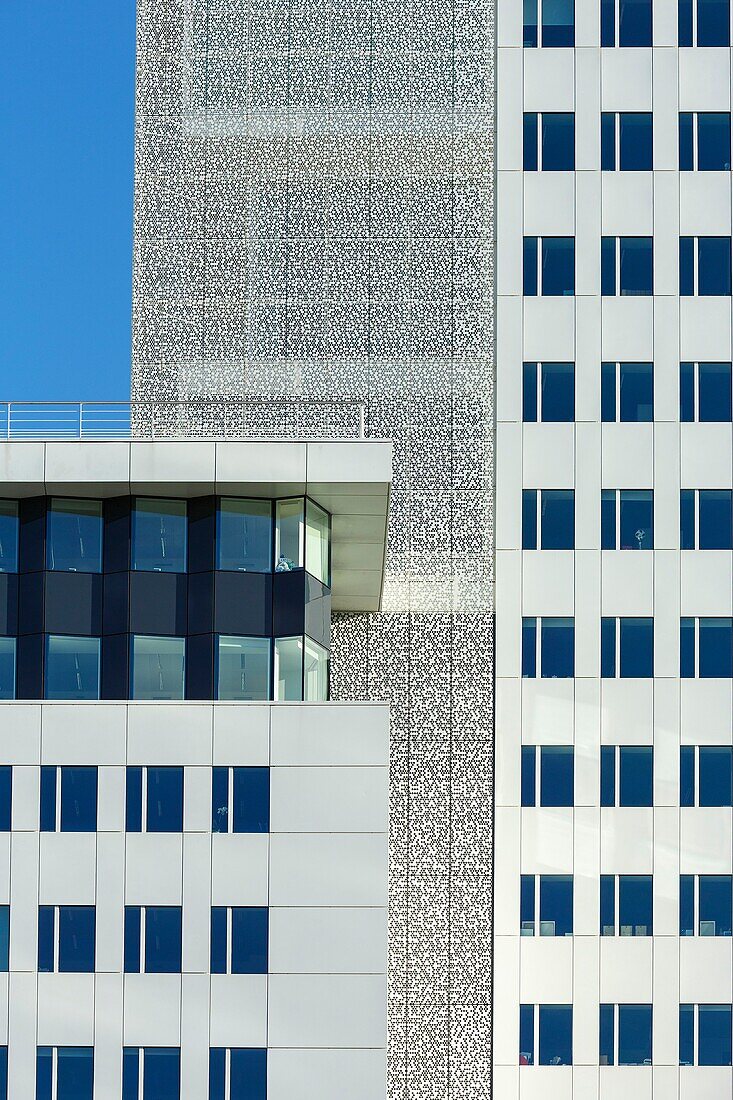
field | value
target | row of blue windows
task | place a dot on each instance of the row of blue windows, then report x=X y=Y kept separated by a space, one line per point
x=627 y=647
x=625 y=1034
x=626 y=775
x=259 y=536
x=626 y=23
x=627 y=143
x=154 y=799
x=626 y=905
x=627 y=392
x=627 y=266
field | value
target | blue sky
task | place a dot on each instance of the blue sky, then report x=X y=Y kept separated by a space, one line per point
x=66 y=178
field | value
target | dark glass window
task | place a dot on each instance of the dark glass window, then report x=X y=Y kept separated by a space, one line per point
x=529 y=393
x=713 y=266
x=558 y=647
x=637 y=266
x=606 y=1042
x=74 y=1073
x=608 y=266
x=556 y=1035
x=48 y=799
x=161 y=1073
x=7 y=669
x=529 y=9
x=72 y=667
x=132 y=939
x=608 y=22
x=530 y=161
x=687 y=905
x=687 y=775
x=716 y=519
x=558 y=22
x=4 y=943
x=134 y=799
x=163 y=939
x=558 y=266
x=608 y=392
x=558 y=392
x=714 y=392
x=251 y=800
x=687 y=1035
x=529 y=519
x=716 y=905
x=159 y=535
x=608 y=521
x=713 y=141
x=526 y=905
x=558 y=519
x=218 y=961
x=715 y=778
x=249 y=940
x=634 y=1035
x=526 y=1035
x=634 y=22
x=637 y=519
x=687 y=520
x=220 y=800
x=608 y=141
x=636 y=392
x=556 y=775
x=636 y=770
x=608 y=907
x=686 y=142
x=6 y=797
x=608 y=775
x=715 y=656
x=77 y=926
x=635 y=142
x=46 y=936
x=713 y=23
x=8 y=544
x=635 y=905
x=244 y=535
x=529 y=267
x=558 y=142
x=636 y=646
x=529 y=770
x=687 y=647
x=78 y=800
x=130 y=1073
x=529 y=646
x=165 y=800
x=687 y=392
x=608 y=647
x=556 y=905
x=74 y=535
x=687 y=266
x=684 y=22
x=247 y=1074
x=714 y=1035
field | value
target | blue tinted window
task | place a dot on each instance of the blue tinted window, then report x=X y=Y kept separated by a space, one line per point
x=716 y=905
x=608 y=266
x=134 y=799
x=78 y=800
x=687 y=775
x=3 y=1073
x=558 y=392
x=608 y=775
x=608 y=905
x=6 y=799
x=163 y=939
x=714 y=396
x=716 y=519
x=608 y=392
x=130 y=1073
x=46 y=925
x=159 y=535
x=132 y=939
x=72 y=667
x=687 y=1035
x=635 y=142
x=637 y=266
x=713 y=23
x=687 y=905
x=637 y=519
x=529 y=519
x=608 y=142
x=248 y=1075
x=714 y=1035
x=529 y=393
x=558 y=266
x=4 y=942
x=608 y=646
x=556 y=905
x=8 y=538
x=529 y=771
x=526 y=905
x=636 y=392
x=526 y=1035
x=244 y=535
x=529 y=267
x=74 y=536
x=7 y=669
x=75 y=1073
x=218 y=961
x=558 y=519
x=687 y=647
x=608 y=519
x=715 y=780
x=158 y=667
x=608 y=22
x=530 y=161
x=716 y=648
x=165 y=800
x=634 y=1035
x=687 y=519
x=44 y=1073
x=249 y=940
x=76 y=938
x=687 y=392
x=220 y=800
x=636 y=647
x=161 y=1073
x=529 y=646
x=558 y=142
x=713 y=142
x=713 y=266
x=251 y=800
x=635 y=905
x=48 y=799
x=556 y=775
x=558 y=22
x=687 y=145
x=635 y=775
x=556 y=1035
x=558 y=647
x=530 y=22
x=687 y=266
x=684 y=22
x=635 y=22
x=605 y=1035
x=217 y=1073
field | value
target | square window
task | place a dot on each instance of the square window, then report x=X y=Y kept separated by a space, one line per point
x=158 y=666
x=72 y=667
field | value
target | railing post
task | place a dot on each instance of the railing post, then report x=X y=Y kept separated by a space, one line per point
x=361 y=420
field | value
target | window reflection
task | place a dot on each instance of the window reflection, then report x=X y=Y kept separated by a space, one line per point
x=72 y=667
x=243 y=668
x=159 y=535
x=317 y=532
x=74 y=536
x=316 y=671
x=157 y=667
x=288 y=668
x=8 y=536
x=7 y=668
x=288 y=535
x=244 y=535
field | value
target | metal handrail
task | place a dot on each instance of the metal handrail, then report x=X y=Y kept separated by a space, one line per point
x=226 y=417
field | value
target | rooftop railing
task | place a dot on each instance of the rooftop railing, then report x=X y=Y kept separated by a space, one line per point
x=240 y=418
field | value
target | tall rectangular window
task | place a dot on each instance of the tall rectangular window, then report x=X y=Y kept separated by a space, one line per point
x=160 y=790
x=556 y=1035
x=557 y=647
x=9 y=529
x=635 y=1035
x=245 y=1071
x=556 y=905
x=74 y=535
x=244 y=535
x=527 y=905
x=8 y=648
x=159 y=535
x=632 y=897
x=706 y=519
x=72 y=667
x=706 y=775
x=317 y=542
x=240 y=800
x=529 y=775
x=556 y=775
x=526 y=1035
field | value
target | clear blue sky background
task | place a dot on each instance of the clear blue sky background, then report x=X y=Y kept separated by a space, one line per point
x=66 y=179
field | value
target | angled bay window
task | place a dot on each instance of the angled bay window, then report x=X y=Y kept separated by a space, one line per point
x=300 y=669
x=706 y=775
x=157 y=667
x=65 y=1073
x=553 y=511
x=627 y=392
x=627 y=647
x=631 y=898
x=627 y=519
x=239 y=940
x=549 y=266
x=556 y=642
x=705 y=266
x=9 y=536
x=704 y=141
x=706 y=647
x=240 y=800
x=151 y=1073
x=708 y=1044
x=72 y=667
x=245 y=1071
x=74 y=535
x=627 y=775
x=548 y=23
x=549 y=142
x=706 y=519
x=243 y=668
x=706 y=905
x=8 y=650
x=626 y=22
x=625 y=1034
x=703 y=22
x=552 y=896
x=549 y=770
x=244 y=535
x=705 y=392
x=548 y=392
x=627 y=266
x=159 y=535
x=626 y=142
x=289 y=535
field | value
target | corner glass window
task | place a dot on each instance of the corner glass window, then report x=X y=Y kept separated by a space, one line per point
x=159 y=535
x=158 y=666
x=8 y=536
x=288 y=678
x=289 y=535
x=7 y=668
x=315 y=672
x=317 y=542
x=74 y=536
x=72 y=667
x=243 y=668
x=244 y=535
